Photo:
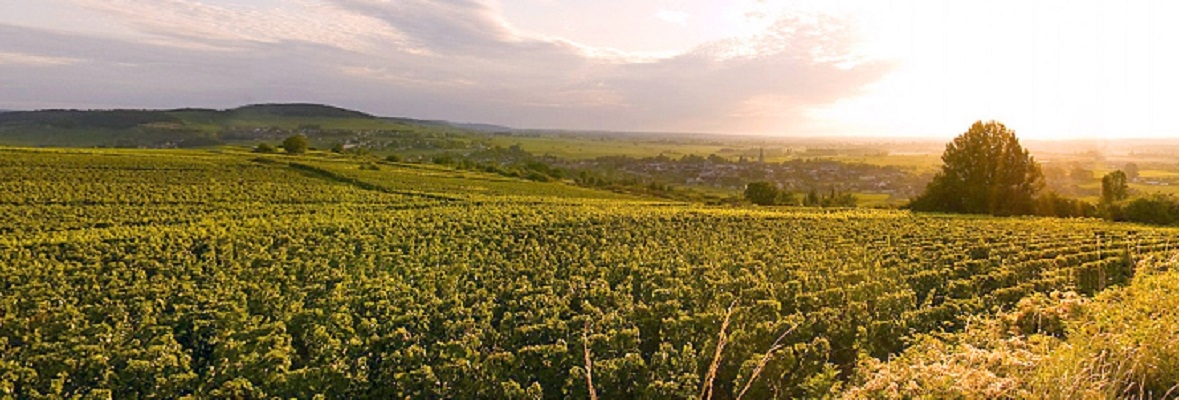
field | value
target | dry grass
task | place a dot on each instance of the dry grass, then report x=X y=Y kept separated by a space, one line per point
x=1123 y=343
x=983 y=366
x=721 y=341
x=765 y=359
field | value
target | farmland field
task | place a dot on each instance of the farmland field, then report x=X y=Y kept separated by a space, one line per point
x=221 y=274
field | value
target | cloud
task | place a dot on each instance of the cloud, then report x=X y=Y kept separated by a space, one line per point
x=444 y=25
x=188 y=23
x=34 y=60
x=447 y=59
x=758 y=84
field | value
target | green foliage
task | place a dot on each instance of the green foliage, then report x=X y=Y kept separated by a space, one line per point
x=299 y=110
x=1121 y=343
x=198 y=142
x=264 y=148
x=204 y=127
x=767 y=194
x=985 y=171
x=1132 y=171
x=135 y=274
x=393 y=158
x=1051 y=204
x=762 y=193
x=831 y=198
x=296 y=144
x=77 y=119
x=1114 y=187
x=1155 y=209
x=1124 y=341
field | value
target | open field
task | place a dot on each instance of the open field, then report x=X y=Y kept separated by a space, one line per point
x=224 y=274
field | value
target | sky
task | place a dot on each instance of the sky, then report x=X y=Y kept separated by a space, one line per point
x=1049 y=69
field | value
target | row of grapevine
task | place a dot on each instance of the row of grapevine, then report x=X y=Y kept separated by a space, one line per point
x=372 y=294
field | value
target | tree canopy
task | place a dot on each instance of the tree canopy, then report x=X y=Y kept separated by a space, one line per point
x=1131 y=170
x=295 y=144
x=985 y=171
x=1114 y=187
x=763 y=193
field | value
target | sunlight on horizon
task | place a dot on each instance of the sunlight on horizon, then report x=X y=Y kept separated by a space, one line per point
x=918 y=68
x=1049 y=70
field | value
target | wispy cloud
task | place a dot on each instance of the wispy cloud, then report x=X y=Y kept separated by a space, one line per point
x=185 y=22
x=35 y=60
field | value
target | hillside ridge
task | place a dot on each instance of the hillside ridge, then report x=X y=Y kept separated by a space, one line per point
x=198 y=127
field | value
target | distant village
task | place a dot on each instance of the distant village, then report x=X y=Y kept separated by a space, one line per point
x=796 y=175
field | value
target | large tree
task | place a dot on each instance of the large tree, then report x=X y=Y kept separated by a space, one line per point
x=985 y=171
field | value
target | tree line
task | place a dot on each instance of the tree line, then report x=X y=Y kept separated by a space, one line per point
x=765 y=193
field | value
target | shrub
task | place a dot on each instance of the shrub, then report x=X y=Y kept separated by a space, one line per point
x=297 y=144
x=265 y=148
x=762 y=193
x=1121 y=343
x=1156 y=209
x=1051 y=204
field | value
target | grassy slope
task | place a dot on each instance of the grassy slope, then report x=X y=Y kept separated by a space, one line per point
x=441 y=180
x=1122 y=343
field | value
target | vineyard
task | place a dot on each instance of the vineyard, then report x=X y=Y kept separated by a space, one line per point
x=160 y=274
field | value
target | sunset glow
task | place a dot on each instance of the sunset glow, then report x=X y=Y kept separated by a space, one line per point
x=1049 y=69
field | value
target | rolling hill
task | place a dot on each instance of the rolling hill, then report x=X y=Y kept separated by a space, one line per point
x=197 y=127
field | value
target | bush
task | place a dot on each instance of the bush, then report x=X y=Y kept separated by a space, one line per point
x=265 y=148
x=393 y=158
x=766 y=194
x=1051 y=204
x=1156 y=209
x=1044 y=314
x=297 y=144
x=1120 y=344
x=832 y=198
x=1124 y=343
